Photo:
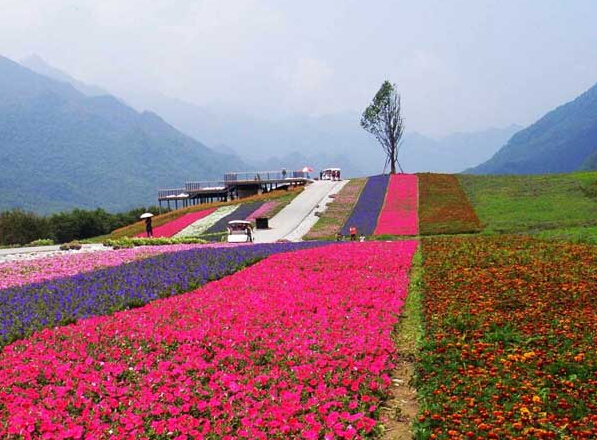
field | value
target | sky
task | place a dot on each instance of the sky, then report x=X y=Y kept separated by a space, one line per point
x=459 y=65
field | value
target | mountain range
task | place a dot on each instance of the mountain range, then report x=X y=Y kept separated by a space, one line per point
x=320 y=141
x=61 y=149
x=563 y=140
x=66 y=144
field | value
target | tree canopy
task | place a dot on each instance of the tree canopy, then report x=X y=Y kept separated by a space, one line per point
x=382 y=119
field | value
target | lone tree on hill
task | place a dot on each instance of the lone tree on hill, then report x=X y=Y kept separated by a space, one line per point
x=382 y=119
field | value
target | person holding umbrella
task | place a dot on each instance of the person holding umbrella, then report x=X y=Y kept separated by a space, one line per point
x=148 y=227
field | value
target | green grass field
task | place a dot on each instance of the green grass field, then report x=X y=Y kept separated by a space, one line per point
x=507 y=204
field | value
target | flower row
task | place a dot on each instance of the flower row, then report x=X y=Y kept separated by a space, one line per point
x=444 y=207
x=172 y=228
x=103 y=291
x=297 y=346
x=366 y=211
x=241 y=213
x=197 y=228
x=399 y=213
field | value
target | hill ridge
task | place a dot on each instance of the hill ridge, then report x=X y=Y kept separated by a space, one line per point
x=563 y=140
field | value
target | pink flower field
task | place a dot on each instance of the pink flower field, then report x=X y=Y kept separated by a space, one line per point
x=18 y=273
x=297 y=346
x=399 y=213
x=175 y=226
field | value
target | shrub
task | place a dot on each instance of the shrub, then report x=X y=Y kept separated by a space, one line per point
x=42 y=242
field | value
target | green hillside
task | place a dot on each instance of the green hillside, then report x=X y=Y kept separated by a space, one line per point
x=507 y=204
x=60 y=149
x=564 y=140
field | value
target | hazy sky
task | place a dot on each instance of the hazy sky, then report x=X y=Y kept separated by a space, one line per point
x=460 y=65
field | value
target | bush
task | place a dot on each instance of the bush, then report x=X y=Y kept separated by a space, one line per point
x=42 y=242
x=74 y=246
x=127 y=242
x=20 y=227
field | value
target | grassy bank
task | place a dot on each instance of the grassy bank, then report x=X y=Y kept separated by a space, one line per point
x=529 y=203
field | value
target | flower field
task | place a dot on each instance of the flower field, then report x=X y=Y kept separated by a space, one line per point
x=399 y=213
x=263 y=211
x=171 y=228
x=297 y=346
x=241 y=213
x=30 y=307
x=511 y=330
x=334 y=217
x=200 y=226
x=444 y=207
x=17 y=273
x=366 y=211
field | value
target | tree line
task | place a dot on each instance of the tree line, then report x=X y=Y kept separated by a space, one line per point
x=18 y=227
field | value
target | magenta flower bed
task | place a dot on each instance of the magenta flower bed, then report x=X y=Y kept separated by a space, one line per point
x=175 y=226
x=262 y=211
x=399 y=213
x=18 y=273
x=297 y=346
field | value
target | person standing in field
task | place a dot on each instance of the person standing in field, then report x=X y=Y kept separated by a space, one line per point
x=353 y=233
x=148 y=227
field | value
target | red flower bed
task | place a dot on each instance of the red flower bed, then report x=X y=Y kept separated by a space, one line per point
x=444 y=207
x=511 y=329
x=297 y=346
x=399 y=213
x=175 y=226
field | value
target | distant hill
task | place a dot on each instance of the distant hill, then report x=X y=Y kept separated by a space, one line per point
x=452 y=153
x=563 y=140
x=38 y=65
x=331 y=140
x=61 y=149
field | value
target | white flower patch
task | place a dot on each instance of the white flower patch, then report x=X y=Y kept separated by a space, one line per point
x=202 y=225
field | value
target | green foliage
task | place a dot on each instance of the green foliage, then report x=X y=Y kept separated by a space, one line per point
x=373 y=114
x=383 y=120
x=127 y=242
x=42 y=242
x=18 y=227
x=533 y=203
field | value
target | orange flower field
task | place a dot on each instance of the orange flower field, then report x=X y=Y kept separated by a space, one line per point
x=510 y=337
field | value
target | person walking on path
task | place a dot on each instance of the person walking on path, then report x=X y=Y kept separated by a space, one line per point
x=353 y=233
x=148 y=227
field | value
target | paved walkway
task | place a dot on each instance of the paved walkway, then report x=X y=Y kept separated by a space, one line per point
x=289 y=219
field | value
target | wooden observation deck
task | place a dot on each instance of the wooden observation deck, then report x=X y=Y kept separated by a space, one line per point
x=234 y=186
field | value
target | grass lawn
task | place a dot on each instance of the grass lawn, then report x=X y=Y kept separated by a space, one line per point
x=533 y=203
x=574 y=234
